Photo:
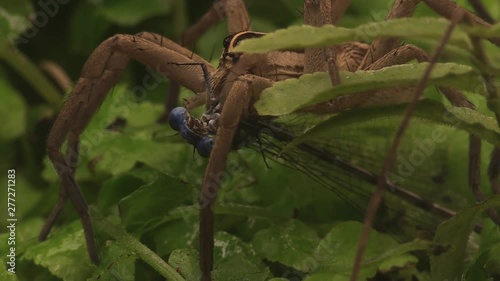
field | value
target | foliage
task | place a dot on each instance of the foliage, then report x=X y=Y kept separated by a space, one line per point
x=273 y=223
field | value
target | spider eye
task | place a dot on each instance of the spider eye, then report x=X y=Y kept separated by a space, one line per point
x=227 y=41
x=204 y=146
x=245 y=35
x=177 y=117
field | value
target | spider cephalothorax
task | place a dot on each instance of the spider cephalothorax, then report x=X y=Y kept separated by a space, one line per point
x=200 y=132
x=230 y=42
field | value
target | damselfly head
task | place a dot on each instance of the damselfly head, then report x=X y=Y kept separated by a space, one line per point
x=192 y=130
x=177 y=117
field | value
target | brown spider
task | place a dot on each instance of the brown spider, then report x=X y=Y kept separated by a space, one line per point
x=230 y=91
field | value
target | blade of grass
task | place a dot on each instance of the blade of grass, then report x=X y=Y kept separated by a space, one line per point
x=32 y=74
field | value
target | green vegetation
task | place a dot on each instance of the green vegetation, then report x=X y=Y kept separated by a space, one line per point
x=272 y=223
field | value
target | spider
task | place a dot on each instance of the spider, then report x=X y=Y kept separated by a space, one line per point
x=230 y=90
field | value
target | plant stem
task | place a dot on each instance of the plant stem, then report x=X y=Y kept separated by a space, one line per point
x=132 y=244
x=32 y=75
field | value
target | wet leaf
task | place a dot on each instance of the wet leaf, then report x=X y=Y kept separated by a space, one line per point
x=336 y=251
x=465 y=119
x=64 y=254
x=153 y=200
x=455 y=233
x=299 y=37
x=234 y=260
x=293 y=94
x=289 y=243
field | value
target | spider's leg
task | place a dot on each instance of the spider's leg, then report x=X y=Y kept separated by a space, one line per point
x=235 y=12
x=397 y=56
x=475 y=176
x=338 y=9
x=243 y=90
x=447 y=8
x=377 y=196
x=316 y=13
x=72 y=159
x=100 y=73
x=237 y=20
x=481 y=11
x=405 y=54
x=380 y=47
x=494 y=170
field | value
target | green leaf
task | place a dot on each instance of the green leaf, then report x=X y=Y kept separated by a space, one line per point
x=228 y=247
x=116 y=188
x=6 y=275
x=13 y=112
x=299 y=37
x=186 y=262
x=116 y=152
x=455 y=233
x=486 y=265
x=14 y=19
x=164 y=193
x=176 y=234
x=465 y=119
x=234 y=260
x=132 y=245
x=289 y=243
x=481 y=31
x=293 y=94
x=24 y=203
x=397 y=262
x=492 y=265
x=64 y=254
x=25 y=235
x=118 y=263
x=140 y=140
x=335 y=253
x=131 y=12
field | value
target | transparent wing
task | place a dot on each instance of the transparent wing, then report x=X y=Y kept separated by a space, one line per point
x=420 y=191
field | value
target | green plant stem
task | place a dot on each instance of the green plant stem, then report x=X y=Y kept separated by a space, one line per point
x=179 y=17
x=31 y=73
x=132 y=244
